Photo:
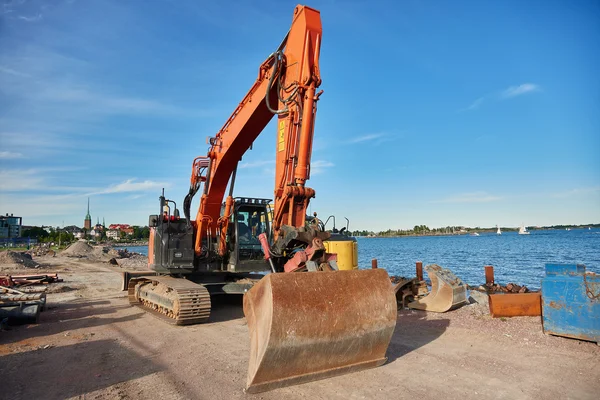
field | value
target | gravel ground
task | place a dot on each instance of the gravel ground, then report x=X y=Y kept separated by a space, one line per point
x=90 y=344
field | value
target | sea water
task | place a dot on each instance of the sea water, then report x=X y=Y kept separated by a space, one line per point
x=516 y=258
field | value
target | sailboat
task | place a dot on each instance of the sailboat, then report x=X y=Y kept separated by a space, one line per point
x=523 y=230
x=498 y=232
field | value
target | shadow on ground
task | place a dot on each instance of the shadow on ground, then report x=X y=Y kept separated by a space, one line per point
x=67 y=371
x=64 y=317
x=226 y=307
x=414 y=330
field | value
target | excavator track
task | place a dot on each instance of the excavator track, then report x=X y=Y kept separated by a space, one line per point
x=174 y=300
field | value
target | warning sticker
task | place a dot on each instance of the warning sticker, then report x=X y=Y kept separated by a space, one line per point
x=281 y=146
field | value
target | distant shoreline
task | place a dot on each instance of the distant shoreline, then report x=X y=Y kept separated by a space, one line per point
x=472 y=231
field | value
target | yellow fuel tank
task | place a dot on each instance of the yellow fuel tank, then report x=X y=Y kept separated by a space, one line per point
x=346 y=249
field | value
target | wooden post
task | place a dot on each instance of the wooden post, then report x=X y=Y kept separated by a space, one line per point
x=419 y=271
x=374 y=263
x=489 y=275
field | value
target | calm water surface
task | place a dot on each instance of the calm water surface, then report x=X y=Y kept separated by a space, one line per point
x=516 y=258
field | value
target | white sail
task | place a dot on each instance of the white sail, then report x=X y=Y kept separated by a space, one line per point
x=498 y=232
x=523 y=230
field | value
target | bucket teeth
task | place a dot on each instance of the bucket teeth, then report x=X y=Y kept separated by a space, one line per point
x=311 y=325
x=447 y=291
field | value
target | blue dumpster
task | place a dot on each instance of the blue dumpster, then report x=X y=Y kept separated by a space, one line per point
x=571 y=302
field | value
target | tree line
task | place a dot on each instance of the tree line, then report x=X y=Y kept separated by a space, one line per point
x=417 y=230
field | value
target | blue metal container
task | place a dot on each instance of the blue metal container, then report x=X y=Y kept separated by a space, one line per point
x=571 y=302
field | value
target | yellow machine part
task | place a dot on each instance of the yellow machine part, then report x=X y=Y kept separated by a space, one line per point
x=306 y=326
x=346 y=249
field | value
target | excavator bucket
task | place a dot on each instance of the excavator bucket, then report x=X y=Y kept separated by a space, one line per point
x=447 y=291
x=306 y=326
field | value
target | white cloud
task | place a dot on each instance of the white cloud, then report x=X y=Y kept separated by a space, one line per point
x=31 y=19
x=520 y=90
x=510 y=92
x=475 y=105
x=97 y=102
x=8 y=155
x=34 y=179
x=475 y=197
x=130 y=186
x=316 y=167
x=10 y=71
x=365 y=138
x=40 y=207
x=16 y=180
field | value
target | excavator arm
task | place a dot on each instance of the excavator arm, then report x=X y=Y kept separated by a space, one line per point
x=285 y=87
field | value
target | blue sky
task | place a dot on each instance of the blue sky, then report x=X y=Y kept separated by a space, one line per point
x=434 y=112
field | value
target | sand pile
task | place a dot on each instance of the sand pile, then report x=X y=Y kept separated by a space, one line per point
x=78 y=249
x=17 y=258
x=134 y=261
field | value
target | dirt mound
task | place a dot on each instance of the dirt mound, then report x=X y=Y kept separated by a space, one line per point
x=21 y=258
x=134 y=261
x=78 y=249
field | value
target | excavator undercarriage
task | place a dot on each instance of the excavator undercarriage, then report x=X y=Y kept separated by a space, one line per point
x=176 y=301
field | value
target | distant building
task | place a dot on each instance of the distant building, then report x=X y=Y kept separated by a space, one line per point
x=75 y=230
x=99 y=227
x=113 y=233
x=127 y=229
x=10 y=226
x=87 y=222
x=118 y=226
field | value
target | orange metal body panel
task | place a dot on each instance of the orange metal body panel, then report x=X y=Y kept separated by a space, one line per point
x=151 y=247
x=515 y=304
x=291 y=89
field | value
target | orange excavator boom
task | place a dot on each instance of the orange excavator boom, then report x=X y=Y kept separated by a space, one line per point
x=286 y=87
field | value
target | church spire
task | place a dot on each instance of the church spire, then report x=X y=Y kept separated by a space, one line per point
x=87 y=222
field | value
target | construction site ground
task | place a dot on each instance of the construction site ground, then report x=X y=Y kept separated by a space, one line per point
x=91 y=344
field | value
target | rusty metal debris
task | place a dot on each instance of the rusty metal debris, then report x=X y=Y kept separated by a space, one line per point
x=508 y=288
x=20 y=300
x=17 y=307
x=510 y=300
x=515 y=304
x=25 y=280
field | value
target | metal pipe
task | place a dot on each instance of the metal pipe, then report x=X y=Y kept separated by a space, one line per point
x=206 y=184
x=232 y=181
x=301 y=173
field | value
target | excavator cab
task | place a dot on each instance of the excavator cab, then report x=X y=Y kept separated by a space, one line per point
x=248 y=220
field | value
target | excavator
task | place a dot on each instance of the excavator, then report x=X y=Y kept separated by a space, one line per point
x=307 y=318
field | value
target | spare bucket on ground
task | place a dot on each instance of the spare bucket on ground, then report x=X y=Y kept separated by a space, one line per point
x=447 y=291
